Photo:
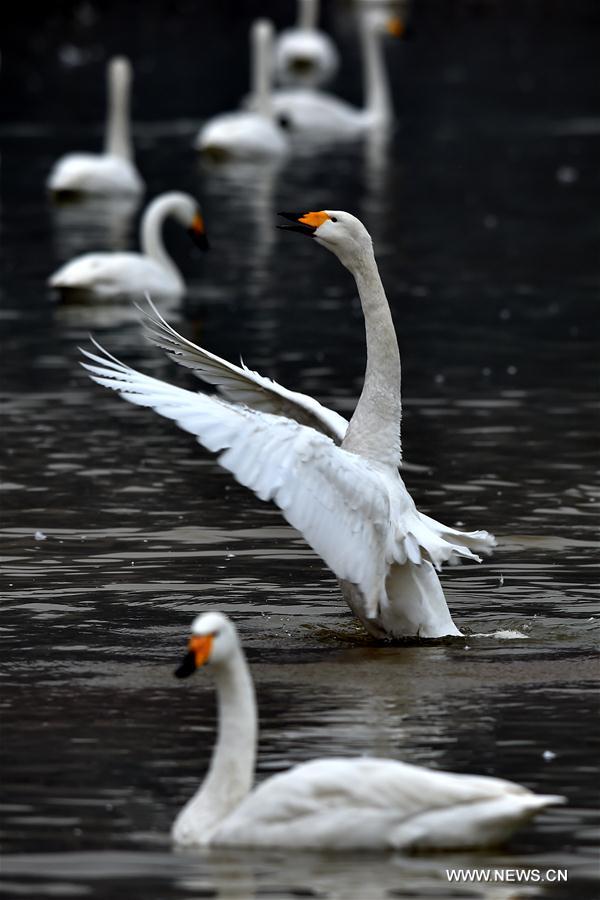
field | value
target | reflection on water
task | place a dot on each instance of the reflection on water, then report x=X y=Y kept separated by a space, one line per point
x=496 y=313
x=93 y=223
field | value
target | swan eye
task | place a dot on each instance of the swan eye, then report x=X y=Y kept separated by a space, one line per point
x=332 y=219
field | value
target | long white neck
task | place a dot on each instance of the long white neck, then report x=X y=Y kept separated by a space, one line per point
x=117 y=139
x=151 y=239
x=231 y=771
x=261 y=50
x=308 y=14
x=374 y=429
x=376 y=88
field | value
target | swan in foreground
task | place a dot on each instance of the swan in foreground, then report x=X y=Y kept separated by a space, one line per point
x=111 y=172
x=248 y=135
x=107 y=276
x=303 y=54
x=320 y=115
x=336 y=482
x=358 y=803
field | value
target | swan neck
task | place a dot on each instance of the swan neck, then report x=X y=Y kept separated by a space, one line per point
x=261 y=65
x=308 y=14
x=151 y=239
x=118 y=138
x=377 y=95
x=374 y=430
x=231 y=771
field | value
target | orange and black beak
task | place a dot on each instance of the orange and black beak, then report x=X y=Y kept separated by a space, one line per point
x=197 y=232
x=305 y=223
x=398 y=27
x=199 y=647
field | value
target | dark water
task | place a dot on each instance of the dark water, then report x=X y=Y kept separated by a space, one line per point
x=484 y=210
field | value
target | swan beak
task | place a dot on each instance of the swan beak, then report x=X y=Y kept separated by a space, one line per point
x=396 y=27
x=199 y=648
x=306 y=223
x=198 y=232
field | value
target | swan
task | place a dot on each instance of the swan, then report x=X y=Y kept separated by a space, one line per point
x=359 y=803
x=107 y=276
x=254 y=134
x=111 y=172
x=305 y=55
x=336 y=482
x=320 y=115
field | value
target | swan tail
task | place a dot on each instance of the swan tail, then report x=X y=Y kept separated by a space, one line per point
x=462 y=543
x=485 y=823
x=422 y=538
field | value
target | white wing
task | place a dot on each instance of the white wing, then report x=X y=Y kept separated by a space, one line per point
x=240 y=384
x=377 y=803
x=336 y=499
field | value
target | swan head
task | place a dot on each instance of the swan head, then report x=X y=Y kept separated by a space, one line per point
x=213 y=641
x=338 y=231
x=185 y=210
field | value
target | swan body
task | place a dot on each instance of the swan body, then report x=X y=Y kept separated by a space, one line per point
x=329 y=804
x=107 y=276
x=319 y=115
x=303 y=54
x=338 y=483
x=111 y=172
x=248 y=135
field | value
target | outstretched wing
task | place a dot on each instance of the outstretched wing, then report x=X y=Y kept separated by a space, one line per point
x=240 y=384
x=336 y=499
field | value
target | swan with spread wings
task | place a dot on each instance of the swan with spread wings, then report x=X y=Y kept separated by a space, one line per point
x=338 y=483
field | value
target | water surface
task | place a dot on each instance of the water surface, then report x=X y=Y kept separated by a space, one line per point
x=483 y=209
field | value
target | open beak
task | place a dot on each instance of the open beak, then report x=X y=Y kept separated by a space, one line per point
x=304 y=223
x=199 y=647
x=197 y=232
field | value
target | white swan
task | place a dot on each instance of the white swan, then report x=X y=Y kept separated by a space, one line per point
x=329 y=804
x=348 y=501
x=304 y=55
x=320 y=115
x=111 y=172
x=107 y=276
x=248 y=135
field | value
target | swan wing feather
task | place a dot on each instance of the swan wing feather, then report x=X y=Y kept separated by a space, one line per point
x=240 y=384
x=336 y=499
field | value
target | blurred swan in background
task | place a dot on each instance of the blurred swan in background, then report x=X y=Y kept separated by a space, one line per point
x=248 y=135
x=360 y=803
x=337 y=483
x=303 y=54
x=111 y=172
x=122 y=274
x=322 y=115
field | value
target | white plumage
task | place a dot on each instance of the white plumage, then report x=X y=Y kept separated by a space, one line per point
x=108 y=276
x=303 y=54
x=322 y=116
x=111 y=172
x=329 y=804
x=337 y=483
x=248 y=136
